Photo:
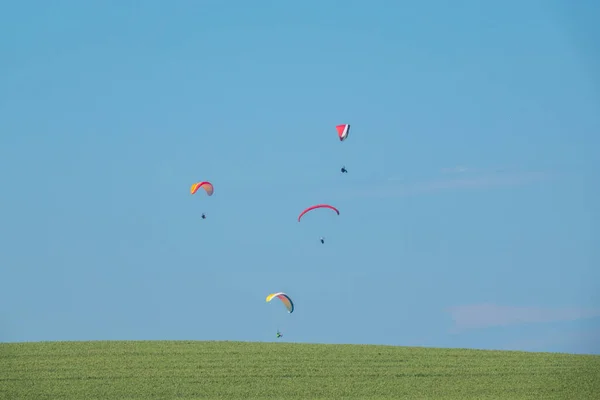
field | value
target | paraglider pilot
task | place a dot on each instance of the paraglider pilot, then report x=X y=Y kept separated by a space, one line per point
x=203 y=216
x=344 y=170
x=322 y=240
x=279 y=334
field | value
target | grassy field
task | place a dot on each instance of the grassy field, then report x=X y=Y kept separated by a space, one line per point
x=237 y=370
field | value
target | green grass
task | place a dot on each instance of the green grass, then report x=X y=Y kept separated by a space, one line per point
x=238 y=370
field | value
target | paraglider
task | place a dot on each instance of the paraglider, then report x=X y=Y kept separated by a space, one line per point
x=285 y=299
x=287 y=302
x=208 y=188
x=322 y=239
x=343 y=131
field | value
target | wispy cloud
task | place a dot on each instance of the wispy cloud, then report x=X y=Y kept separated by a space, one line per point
x=583 y=341
x=399 y=189
x=455 y=170
x=489 y=315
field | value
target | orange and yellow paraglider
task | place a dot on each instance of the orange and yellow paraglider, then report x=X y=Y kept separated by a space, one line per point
x=208 y=188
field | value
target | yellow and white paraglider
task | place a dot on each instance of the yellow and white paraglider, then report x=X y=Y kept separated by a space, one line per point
x=287 y=302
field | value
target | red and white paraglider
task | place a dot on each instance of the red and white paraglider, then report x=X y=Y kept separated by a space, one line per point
x=343 y=130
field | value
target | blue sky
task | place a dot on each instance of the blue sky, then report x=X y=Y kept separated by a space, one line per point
x=468 y=217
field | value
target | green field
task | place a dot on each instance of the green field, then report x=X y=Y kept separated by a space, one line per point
x=239 y=370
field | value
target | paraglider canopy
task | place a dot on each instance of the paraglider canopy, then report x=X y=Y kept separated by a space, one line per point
x=285 y=299
x=207 y=186
x=343 y=131
x=318 y=206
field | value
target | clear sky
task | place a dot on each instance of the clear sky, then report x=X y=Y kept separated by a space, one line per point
x=469 y=216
